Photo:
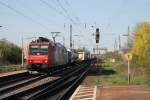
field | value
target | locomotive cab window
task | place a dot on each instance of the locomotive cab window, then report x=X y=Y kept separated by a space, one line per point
x=42 y=49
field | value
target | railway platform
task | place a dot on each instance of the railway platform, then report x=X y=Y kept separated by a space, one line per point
x=12 y=73
x=133 y=92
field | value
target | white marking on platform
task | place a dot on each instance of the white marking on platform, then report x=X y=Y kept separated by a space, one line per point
x=84 y=92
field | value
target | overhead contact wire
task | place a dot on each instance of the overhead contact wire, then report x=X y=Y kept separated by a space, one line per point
x=59 y=12
x=20 y=13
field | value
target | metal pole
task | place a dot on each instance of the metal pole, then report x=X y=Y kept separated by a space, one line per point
x=115 y=45
x=128 y=34
x=73 y=44
x=22 y=52
x=64 y=41
x=97 y=51
x=97 y=55
x=128 y=38
x=119 y=43
x=128 y=72
x=53 y=39
x=70 y=37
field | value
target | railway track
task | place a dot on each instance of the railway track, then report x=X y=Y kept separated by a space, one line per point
x=12 y=78
x=69 y=91
x=7 y=88
x=45 y=86
x=69 y=83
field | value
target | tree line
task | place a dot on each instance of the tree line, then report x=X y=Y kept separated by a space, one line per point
x=9 y=53
x=141 y=46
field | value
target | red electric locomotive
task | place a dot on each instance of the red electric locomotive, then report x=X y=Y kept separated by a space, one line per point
x=44 y=55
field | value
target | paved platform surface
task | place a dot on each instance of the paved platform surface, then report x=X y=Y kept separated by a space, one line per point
x=123 y=93
x=11 y=73
x=87 y=92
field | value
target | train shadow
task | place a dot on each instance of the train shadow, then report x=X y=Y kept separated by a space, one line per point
x=97 y=71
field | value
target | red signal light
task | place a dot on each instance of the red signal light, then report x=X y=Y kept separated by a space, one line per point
x=97 y=36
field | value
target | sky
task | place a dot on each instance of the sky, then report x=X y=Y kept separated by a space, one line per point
x=33 y=18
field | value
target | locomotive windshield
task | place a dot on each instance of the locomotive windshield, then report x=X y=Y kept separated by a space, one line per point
x=42 y=49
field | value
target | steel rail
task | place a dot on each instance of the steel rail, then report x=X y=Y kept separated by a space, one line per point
x=49 y=87
x=19 y=84
x=10 y=78
x=68 y=92
x=17 y=79
x=23 y=92
x=53 y=88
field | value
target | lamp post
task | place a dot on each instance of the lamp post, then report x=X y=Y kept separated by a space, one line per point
x=22 y=40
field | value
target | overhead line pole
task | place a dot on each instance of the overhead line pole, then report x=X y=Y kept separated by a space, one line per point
x=23 y=49
x=128 y=35
x=63 y=40
x=115 y=45
x=71 y=40
x=119 y=43
x=70 y=37
x=22 y=57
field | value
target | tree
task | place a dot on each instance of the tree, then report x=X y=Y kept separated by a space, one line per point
x=9 y=52
x=141 y=47
x=141 y=42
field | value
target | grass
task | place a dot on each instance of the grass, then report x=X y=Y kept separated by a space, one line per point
x=4 y=69
x=116 y=74
x=118 y=78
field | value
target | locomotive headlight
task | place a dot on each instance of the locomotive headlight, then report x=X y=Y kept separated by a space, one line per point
x=30 y=61
x=45 y=61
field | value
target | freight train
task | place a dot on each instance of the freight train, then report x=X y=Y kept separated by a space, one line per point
x=83 y=54
x=45 y=55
